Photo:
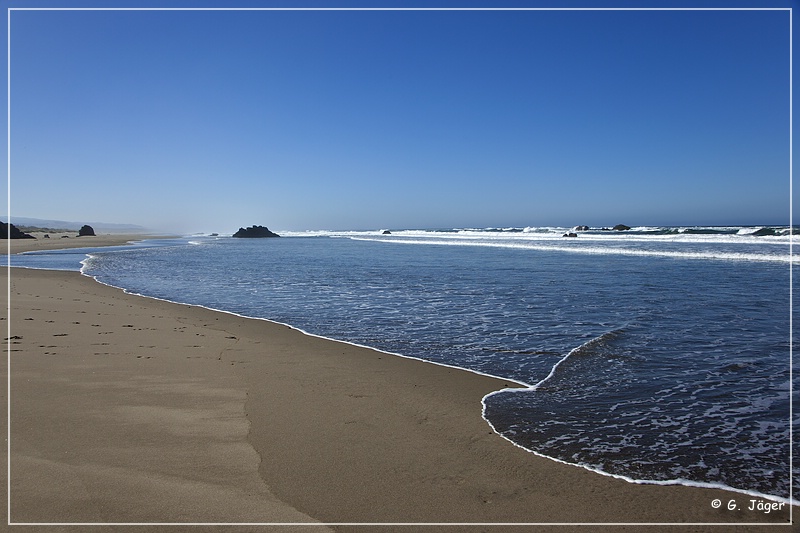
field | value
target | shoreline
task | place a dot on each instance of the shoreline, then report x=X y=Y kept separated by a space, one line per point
x=56 y=242
x=379 y=420
x=508 y=388
x=521 y=387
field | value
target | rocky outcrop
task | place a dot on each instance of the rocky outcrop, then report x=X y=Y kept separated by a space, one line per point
x=86 y=231
x=255 y=232
x=580 y=228
x=14 y=232
x=621 y=227
x=570 y=234
x=386 y=232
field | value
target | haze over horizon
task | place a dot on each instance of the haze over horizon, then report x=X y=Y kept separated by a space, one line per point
x=200 y=121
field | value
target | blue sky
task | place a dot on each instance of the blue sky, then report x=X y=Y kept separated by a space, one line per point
x=206 y=121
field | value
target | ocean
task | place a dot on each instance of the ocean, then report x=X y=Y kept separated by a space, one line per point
x=659 y=355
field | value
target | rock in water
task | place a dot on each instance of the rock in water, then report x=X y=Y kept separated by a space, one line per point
x=86 y=231
x=255 y=232
x=621 y=227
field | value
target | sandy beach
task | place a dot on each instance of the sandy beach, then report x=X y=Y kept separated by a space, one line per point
x=59 y=241
x=126 y=409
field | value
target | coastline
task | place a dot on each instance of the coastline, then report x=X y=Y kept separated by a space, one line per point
x=58 y=241
x=343 y=433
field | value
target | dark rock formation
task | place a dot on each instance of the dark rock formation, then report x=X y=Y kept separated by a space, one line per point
x=570 y=235
x=621 y=227
x=15 y=233
x=255 y=232
x=86 y=231
x=387 y=232
x=581 y=228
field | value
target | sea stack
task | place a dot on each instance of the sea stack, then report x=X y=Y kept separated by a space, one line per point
x=255 y=232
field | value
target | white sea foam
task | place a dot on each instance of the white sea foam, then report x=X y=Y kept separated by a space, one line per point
x=747 y=231
x=676 y=481
x=643 y=240
x=480 y=240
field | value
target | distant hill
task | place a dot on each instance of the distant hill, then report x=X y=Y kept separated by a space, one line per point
x=99 y=227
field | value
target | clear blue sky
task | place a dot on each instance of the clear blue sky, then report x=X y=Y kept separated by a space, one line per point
x=207 y=121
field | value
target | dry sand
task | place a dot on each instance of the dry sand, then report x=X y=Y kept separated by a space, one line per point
x=128 y=409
